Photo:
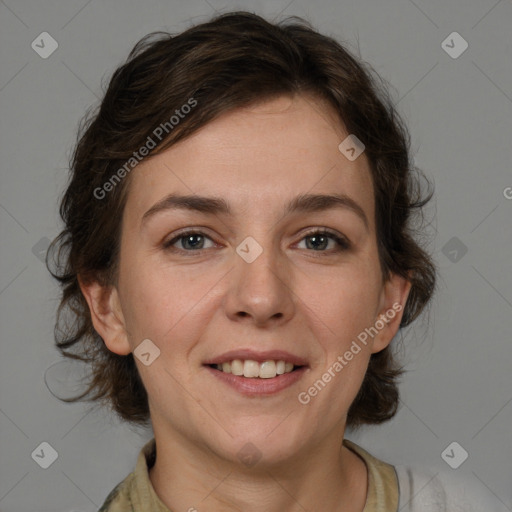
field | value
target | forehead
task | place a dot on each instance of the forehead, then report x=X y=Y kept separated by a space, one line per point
x=257 y=158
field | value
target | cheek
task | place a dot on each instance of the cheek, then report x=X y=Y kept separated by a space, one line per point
x=158 y=303
x=345 y=300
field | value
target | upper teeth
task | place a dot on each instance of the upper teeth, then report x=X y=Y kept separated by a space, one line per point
x=250 y=368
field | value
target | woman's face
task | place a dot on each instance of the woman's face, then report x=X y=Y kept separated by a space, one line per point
x=255 y=281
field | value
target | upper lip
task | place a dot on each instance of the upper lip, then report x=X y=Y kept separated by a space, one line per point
x=260 y=357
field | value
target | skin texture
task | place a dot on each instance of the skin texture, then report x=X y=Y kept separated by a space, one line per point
x=194 y=305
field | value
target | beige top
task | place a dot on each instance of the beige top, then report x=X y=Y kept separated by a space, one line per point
x=136 y=492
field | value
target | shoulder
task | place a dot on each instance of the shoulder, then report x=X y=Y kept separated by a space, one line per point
x=135 y=492
x=441 y=491
x=118 y=499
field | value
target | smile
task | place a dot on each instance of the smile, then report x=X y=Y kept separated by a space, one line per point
x=255 y=385
x=253 y=369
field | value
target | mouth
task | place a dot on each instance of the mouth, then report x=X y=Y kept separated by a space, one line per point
x=257 y=374
x=251 y=369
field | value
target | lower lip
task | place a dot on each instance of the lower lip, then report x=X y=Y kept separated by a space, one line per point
x=257 y=386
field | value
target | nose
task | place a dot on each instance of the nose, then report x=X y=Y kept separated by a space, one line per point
x=261 y=291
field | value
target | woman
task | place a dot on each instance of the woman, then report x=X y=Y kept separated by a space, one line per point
x=239 y=256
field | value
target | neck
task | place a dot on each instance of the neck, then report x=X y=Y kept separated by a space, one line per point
x=328 y=476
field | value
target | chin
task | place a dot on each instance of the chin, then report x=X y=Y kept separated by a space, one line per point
x=264 y=448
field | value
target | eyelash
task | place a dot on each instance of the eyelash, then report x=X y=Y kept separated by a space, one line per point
x=343 y=243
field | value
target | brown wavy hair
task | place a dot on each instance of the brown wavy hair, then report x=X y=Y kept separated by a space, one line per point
x=234 y=60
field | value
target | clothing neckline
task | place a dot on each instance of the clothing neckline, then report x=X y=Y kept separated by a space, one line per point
x=383 y=492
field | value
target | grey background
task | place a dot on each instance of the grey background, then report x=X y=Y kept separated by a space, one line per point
x=459 y=112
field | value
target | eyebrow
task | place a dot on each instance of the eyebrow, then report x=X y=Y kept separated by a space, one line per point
x=303 y=203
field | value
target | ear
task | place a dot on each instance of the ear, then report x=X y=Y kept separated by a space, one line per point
x=392 y=304
x=106 y=315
